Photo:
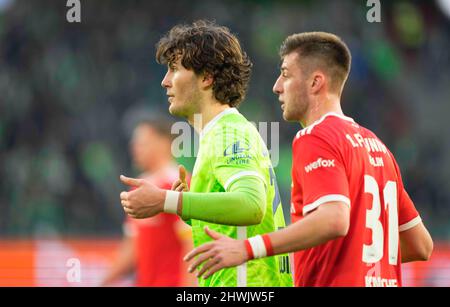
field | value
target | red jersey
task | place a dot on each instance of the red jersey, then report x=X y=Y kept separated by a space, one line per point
x=335 y=159
x=158 y=246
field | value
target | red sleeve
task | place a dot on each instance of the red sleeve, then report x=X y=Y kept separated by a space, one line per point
x=321 y=173
x=408 y=217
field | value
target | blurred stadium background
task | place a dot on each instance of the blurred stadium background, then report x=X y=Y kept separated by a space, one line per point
x=70 y=93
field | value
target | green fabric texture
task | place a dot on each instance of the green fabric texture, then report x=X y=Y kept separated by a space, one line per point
x=241 y=205
x=232 y=161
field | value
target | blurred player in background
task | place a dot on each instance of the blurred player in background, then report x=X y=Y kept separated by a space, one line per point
x=233 y=188
x=153 y=247
x=353 y=222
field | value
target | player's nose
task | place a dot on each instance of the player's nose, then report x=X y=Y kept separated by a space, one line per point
x=166 y=81
x=277 y=88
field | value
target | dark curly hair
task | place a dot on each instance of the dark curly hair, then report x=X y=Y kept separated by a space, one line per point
x=207 y=48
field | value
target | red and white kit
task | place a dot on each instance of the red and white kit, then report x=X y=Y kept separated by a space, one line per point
x=335 y=159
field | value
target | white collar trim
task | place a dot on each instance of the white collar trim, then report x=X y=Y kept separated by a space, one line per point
x=212 y=123
x=334 y=114
x=308 y=129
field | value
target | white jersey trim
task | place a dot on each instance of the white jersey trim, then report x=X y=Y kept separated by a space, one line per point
x=308 y=129
x=325 y=199
x=414 y=222
x=242 y=269
x=243 y=174
x=213 y=122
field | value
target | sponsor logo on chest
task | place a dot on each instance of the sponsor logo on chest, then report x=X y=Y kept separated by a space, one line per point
x=319 y=163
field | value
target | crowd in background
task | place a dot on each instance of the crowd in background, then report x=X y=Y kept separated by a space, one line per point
x=70 y=94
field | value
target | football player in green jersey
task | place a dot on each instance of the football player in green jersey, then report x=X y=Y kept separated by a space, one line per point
x=233 y=187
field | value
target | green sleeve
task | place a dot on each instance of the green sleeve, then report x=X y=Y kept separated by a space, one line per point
x=241 y=205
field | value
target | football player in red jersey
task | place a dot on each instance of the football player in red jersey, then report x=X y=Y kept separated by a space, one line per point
x=154 y=247
x=353 y=222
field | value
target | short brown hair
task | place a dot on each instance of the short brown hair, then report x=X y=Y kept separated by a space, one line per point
x=321 y=50
x=208 y=48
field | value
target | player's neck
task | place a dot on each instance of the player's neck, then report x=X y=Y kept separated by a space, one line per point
x=330 y=103
x=208 y=112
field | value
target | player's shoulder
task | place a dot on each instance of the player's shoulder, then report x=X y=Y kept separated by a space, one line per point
x=230 y=122
x=234 y=128
x=220 y=122
x=237 y=124
x=330 y=128
x=371 y=141
x=231 y=116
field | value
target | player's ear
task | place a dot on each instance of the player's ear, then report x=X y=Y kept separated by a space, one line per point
x=317 y=82
x=207 y=80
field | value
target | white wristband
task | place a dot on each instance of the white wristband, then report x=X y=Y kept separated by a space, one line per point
x=171 y=202
x=258 y=247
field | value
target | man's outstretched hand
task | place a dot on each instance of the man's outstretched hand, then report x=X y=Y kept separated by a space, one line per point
x=223 y=252
x=145 y=200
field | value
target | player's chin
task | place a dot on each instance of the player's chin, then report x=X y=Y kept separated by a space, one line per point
x=287 y=116
x=178 y=111
x=174 y=110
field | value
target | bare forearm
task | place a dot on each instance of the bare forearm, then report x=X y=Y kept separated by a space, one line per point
x=407 y=254
x=328 y=222
x=416 y=244
x=317 y=228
